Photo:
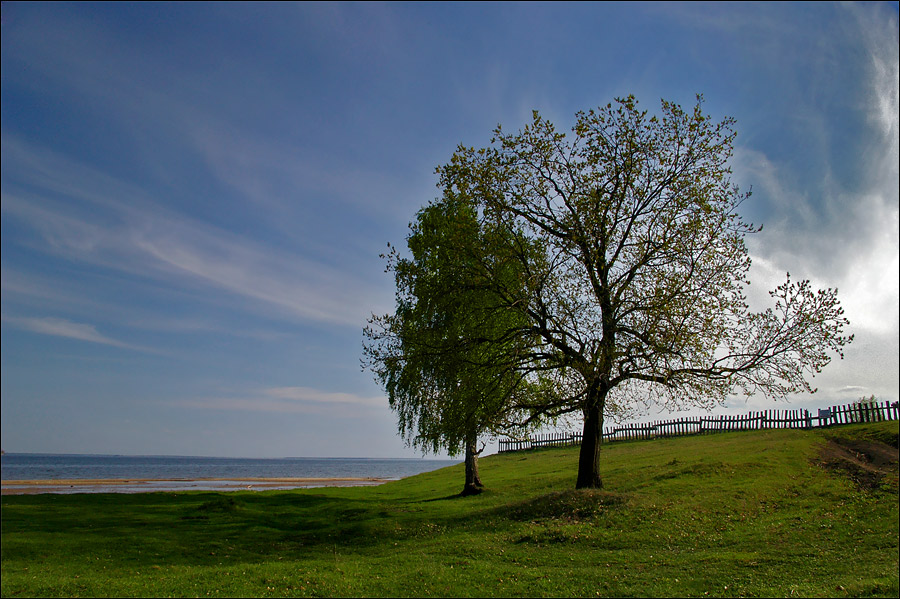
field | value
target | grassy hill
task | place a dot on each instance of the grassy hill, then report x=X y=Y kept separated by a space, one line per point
x=767 y=513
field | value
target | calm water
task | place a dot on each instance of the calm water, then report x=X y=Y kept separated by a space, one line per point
x=19 y=466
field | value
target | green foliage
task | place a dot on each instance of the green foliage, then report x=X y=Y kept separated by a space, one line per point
x=733 y=514
x=641 y=281
x=636 y=292
x=866 y=401
x=448 y=356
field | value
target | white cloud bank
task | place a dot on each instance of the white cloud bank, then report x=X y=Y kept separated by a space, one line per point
x=848 y=238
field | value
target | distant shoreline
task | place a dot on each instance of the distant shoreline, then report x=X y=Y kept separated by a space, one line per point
x=150 y=485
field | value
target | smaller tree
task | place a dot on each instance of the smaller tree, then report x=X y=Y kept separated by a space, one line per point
x=446 y=357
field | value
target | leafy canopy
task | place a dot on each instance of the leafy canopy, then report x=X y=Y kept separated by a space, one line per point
x=593 y=272
x=640 y=288
x=446 y=356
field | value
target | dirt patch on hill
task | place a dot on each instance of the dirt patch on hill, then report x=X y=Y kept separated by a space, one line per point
x=870 y=464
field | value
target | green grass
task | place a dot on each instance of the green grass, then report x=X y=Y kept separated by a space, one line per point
x=736 y=514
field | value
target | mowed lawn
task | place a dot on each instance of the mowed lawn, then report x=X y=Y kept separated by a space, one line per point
x=768 y=513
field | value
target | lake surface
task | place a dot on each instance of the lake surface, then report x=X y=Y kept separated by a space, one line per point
x=154 y=473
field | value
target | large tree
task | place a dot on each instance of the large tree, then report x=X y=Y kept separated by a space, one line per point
x=445 y=356
x=638 y=295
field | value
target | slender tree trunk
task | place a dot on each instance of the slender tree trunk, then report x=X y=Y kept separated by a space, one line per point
x=473 y=480
x=592 y=435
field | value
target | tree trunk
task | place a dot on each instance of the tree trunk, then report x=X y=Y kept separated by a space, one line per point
x=589 y=456
x=473 y=480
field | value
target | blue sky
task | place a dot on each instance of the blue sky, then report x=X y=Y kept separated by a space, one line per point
x=195 y=196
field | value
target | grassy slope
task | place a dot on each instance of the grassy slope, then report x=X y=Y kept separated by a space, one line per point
x=739 y=514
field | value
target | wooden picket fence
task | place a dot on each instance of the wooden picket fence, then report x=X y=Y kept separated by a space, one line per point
x=768 y=419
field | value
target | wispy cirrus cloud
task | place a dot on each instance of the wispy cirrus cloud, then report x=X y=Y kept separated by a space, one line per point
x=307 y=394
x=291 y=400
x=60 y=327
x=880 y=36
x=28 y=292
x=844 y=232
x=130 y=233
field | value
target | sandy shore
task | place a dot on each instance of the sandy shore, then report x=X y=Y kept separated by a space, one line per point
x=148 y=485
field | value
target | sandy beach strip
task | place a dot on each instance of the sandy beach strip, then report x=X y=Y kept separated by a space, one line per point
x=147 y=485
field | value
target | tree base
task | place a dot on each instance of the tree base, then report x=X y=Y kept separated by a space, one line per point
x=471 y=490
x=591 y=484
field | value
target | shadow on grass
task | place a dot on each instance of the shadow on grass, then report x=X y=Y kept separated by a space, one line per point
x=212 y=528
x=205 y=528
x=458 y=496
x=573 y=504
